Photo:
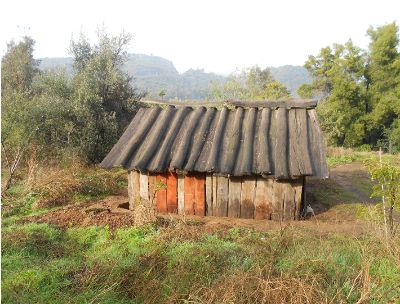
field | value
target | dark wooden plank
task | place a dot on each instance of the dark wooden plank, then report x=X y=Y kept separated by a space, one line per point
x=161 y=194
x=263 y=157
x=296 y=165
x=212 y=161
x=172 y=193
x=234 y=136
x=200 y=194
x=248 y=141
x=153 y=138
x=235 y=190
x=209 y=194
x=248 y=196
x=303 y=145
x=263 y=199
x=178 y=159
x=189 y=194
x=281 y=144
x=222 y=196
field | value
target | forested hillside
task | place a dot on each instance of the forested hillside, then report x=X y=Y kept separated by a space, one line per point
x=153 y=74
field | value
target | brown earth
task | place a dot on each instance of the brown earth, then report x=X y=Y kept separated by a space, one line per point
x=112 y=211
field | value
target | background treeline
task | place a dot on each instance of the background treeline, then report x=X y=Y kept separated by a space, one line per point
x=359 y=91
x=152 y=74
x=59 y=114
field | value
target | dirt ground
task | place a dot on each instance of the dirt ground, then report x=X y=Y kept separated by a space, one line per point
x=112 y=211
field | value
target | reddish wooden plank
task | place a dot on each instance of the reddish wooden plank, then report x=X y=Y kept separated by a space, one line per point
x=189 y=194
x=172 y=193
x=161 y=195
x=200 y=194
x=263 y=199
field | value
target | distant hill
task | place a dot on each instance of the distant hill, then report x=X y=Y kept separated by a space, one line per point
x=154 y=73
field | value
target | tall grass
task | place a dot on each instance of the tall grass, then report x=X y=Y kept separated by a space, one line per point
x=43 y=264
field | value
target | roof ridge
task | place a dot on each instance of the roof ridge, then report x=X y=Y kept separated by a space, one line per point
x=288 y=103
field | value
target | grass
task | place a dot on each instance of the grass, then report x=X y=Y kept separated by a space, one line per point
x=184 y=261
x=44 y=264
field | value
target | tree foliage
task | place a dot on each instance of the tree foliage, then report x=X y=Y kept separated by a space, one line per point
x=84 y=114
x=249 y=84
x=359 y=90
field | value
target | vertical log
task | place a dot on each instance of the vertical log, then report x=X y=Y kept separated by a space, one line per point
x=181 y=194
x=298 y=197
x=209 y=194
x=189 y=194
x=144 y=186
x=289 y=201
x=235 y=189
x=152 y=185
x=200 y=195
x=215 y=194
x=133 y=188
x=222 y=196
x=263 y=199
x=248 y=195
x=161 y=195
x=278 y=199
x=172 y=193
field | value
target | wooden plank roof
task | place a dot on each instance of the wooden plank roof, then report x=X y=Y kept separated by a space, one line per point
x=282 y=140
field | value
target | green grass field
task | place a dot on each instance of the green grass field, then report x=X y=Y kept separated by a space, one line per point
x=180 y=261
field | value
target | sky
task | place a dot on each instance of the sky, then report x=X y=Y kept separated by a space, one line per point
x=217 y=36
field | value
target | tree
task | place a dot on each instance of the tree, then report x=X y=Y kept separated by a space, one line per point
x=18 y=68
x=359 y=90
x=104 y=98
x=162 y=93
x=249 y=84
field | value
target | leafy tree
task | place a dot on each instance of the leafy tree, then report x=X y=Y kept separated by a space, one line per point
x=359 y=90
x=249 y=84
x=18 y=68
x=104 y=98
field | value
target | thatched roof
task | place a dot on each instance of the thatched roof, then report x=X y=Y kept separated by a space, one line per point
x=278 y=139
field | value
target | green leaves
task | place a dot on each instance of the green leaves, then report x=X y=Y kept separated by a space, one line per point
x=250 y=84
x=360 y=90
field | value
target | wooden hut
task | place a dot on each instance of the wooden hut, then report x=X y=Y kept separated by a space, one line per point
x=235 y=159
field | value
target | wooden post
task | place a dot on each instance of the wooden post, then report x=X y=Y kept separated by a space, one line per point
x=235 y=190
x=209 y=194
x=263 y=198
x=222 y=196
x=144 y=186
x=133 y=188
x=181 y=194
x=248 y=195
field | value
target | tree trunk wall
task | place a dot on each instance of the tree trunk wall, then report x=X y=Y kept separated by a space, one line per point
x=211 y=195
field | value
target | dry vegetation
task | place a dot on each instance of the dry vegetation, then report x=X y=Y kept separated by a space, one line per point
x=66 y=240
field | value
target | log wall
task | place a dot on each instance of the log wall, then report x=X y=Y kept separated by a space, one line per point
x=211 y=195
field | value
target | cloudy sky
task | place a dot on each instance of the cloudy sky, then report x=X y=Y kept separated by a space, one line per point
x=218 y=36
